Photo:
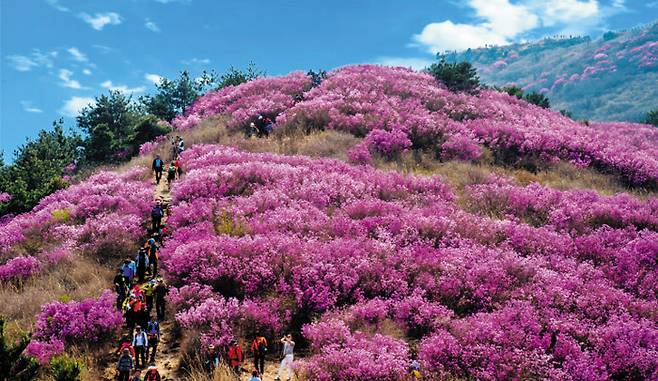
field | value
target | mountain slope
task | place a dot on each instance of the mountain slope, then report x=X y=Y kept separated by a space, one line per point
x=611 y=78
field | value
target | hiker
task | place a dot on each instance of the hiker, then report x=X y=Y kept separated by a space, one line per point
x=156 y=216
x=152 y=249
x=260 y=124
x=160 y=292
x=137 y=375
x=141 y=344
x=254 y=376
x=235 y=357
x=153 y=334
x=181 y=146
x=269 y=126
x=126 y=344
x=414 y=369
x=120 y=287
x=125 y=365
x=179 y=169
x=157 y=167
x=211 y=359
x=152 y=373
x=253 y=130
x=142 y=263
x=148 y=295
x=259 y=350
x=288 y=347
x=171 y=174
x=128 y=271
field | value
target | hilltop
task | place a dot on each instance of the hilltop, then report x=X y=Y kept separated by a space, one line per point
x=609 y=78
x=383 y=218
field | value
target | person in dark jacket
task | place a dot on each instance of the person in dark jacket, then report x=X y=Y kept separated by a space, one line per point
x=160 y=292
x=121 y=287
x=152 y=249
x=153 y=334
x=152 y=374
x=156 y=216
x=125 y=365
x=259 y=350
x=157 y=167
x=142 y=263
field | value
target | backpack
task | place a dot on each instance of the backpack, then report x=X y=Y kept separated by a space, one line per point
x=172 y=170
x=156 y=212
x=152 y=375
x=158 y=163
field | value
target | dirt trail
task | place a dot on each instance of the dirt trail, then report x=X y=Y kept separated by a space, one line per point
x=167 y=358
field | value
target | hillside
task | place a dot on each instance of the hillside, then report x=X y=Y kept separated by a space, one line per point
x=610 y=78
x=383 y=219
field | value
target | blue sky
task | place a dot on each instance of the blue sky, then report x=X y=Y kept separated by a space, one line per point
x=56 y=55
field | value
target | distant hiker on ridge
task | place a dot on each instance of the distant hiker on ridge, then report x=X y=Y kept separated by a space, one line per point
x=157 y=167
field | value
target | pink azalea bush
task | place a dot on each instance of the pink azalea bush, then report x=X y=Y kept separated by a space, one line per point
x=74 y=323
x=104 y=207
x=384 y=104
x=244 y=103
x=528 y=283
x=19 y=268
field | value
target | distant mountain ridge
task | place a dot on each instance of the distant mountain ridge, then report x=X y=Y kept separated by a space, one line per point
x=614 y=77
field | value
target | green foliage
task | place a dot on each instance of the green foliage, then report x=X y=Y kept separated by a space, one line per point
x=317 y=77
x=652 y=117
x=535 y=98
x=109 y=125
x=64 y=368
x=609 y=35
x=173 y=96
x=566 y=113
x=147 y=129
x=514 y=91
x=234 y=77
x=225 y=223
x=460 y=76
x=538 y=99
x=13 y=365
x=37 y=168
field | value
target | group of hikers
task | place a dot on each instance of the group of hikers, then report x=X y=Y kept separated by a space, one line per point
x=262 y=127
x=139 y=290
x=174 y=169
x=233 y=357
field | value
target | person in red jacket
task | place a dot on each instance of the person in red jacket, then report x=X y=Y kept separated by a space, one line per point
x=259 y=350
x=235 y=357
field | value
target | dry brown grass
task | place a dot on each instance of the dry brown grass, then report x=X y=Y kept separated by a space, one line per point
x=82 y=278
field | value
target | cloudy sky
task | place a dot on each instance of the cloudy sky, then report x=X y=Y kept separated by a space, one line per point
x=56 y=55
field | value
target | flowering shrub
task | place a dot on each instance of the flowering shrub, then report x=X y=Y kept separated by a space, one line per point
x=538 y=292
x=104 y=207
x=397 y=109
x=346 y=356
x=4 y=197
x=244 y=103
x=44 y=351
x=19 y=268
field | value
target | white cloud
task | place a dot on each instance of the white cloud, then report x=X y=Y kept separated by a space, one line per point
x=86 y=71
x=155 y=78
x=412 y=62
x=77 y=54
x=152 y=26
x=55 y=4
x=196 y=61
x=499 y=22
x=653 y=4
x=21 y=63
x=74 y=105
x=65 y=76
x=122 y=88
x=99 y=20
x=566 y=11
x=28 y=107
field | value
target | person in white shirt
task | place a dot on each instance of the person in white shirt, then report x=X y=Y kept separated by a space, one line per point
x=288 y=348
x=141 y=344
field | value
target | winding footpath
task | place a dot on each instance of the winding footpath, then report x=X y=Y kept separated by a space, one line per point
x=167 y=358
